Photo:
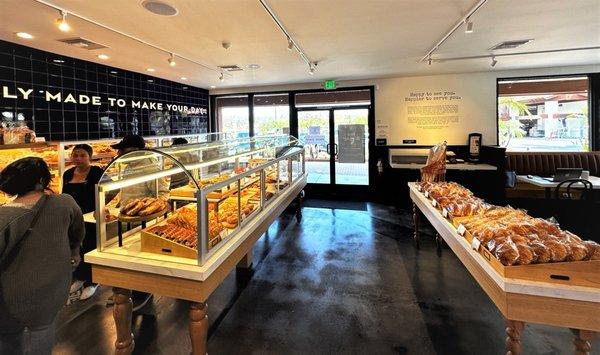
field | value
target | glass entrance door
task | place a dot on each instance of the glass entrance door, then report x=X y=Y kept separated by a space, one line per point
x=345 y=162
x=351 y=129
x=313 y=133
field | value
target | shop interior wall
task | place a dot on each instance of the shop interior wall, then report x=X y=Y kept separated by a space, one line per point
x=29 y=68
x=472 y=94
x=476 y=106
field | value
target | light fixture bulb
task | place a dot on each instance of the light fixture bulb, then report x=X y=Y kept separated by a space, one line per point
x=221 y=77
x=469 y=25
x=494 y=62
x=103 y=56
x=311 y=70
x=150 y=69
x=24 y=35
x=62 y=22
x=183 y=78
x=290 y=44
x=172 y=60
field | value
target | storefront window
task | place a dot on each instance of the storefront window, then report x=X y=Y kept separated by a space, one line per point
x=271 y=114
x=548 y=114
x=233 y=115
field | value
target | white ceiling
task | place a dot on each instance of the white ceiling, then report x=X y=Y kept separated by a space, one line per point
x=351 y=39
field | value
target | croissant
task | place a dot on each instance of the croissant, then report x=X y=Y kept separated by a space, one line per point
x=507 y=252
x=593 y=250
x=525 y=254
x=558 y=249
x=541 y=254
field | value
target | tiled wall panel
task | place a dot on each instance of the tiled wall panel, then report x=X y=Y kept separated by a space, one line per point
x=29 y=68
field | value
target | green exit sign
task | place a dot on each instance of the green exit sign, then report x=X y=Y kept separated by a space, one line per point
x=329 y=84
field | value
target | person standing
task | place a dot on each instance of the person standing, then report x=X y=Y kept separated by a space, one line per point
x=41 y=236
x=80 y=182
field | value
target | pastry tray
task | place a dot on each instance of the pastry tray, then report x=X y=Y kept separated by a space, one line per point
x=576 y=273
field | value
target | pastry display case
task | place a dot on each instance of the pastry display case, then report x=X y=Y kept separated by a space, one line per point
x=46 y=151
x=103 y=153
x=182 y=204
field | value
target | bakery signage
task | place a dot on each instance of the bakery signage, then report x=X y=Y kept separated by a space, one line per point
x=59 y=96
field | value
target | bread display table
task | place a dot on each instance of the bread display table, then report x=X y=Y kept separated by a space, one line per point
x=556 y=303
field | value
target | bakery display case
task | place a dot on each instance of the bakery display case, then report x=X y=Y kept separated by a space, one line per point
x=46 y=151
x=104 y=153
x=182 y=204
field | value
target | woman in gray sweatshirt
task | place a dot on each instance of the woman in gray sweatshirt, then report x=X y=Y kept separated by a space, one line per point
x=40 y=235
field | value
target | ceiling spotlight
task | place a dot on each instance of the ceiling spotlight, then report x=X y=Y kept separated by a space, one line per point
x=24 y=35
x=213 y=86
x=172 y=60
x=290 y=44
x=183 y=78
x=151 y=70
x=254 y=66
x=469 y=24
x=494 y=62
x=221 y=77
x=61 y=22
x=103 y=56
x=311 y=70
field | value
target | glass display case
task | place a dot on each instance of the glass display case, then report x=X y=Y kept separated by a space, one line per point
x=183 y=203
x=46 y=151
x=103 y=153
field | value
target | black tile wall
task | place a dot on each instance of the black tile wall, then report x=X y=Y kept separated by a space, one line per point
x=28 y=68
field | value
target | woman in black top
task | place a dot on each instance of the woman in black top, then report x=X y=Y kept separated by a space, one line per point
x=80 y=182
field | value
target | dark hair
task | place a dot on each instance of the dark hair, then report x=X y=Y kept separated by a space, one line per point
x=23 y=176
x=88 y=149
x=179 y=141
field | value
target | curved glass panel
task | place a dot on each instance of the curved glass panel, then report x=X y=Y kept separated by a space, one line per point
x=186 y=201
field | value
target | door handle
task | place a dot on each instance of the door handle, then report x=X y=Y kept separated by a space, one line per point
x=335 y=149
x=328 y=148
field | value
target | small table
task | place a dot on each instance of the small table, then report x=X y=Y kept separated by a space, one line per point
x=549 y=185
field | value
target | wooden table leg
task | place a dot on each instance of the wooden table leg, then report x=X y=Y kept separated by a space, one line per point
x=416 y=236
x=122 y=315
x=299 y=203
x=514 y=329
x=198 y=327
x=583 y=341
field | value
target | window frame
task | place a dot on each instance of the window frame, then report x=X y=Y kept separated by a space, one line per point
x=593 y=103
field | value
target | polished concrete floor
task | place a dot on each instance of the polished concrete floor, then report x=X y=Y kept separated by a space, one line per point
x=347 y=280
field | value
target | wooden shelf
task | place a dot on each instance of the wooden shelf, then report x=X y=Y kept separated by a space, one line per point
x=25 y=146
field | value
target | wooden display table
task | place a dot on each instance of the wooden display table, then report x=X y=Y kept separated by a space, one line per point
x=128 y=268
x=519 y=301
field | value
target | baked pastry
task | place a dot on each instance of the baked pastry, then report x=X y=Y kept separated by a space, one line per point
x=541 y=253
x=514 y=237
x=593 y=250
x=507 y=252
x=144 y=206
